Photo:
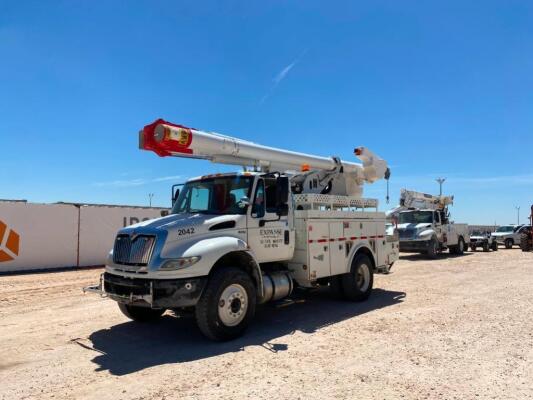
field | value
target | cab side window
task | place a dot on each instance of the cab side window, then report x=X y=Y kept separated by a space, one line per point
x=258 y=206
x=270 y=191
x=436 y=218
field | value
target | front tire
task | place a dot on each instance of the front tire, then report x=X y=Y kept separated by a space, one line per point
x=432 y=249
x=357 y=284
x=227 y=305
x=509 y=243
x=494 y=246
x=473 y=248
x=140 y=314
x=486 y=247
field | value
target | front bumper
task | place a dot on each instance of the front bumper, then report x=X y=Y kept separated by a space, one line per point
x=414 y=246
x=155 y=293
x=499 y=239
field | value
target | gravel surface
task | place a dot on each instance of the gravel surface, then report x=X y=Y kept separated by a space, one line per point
x=452 y=328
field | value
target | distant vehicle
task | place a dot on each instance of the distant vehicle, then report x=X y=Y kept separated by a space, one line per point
x=509 y=235
x=483 y=240
x=526 y=237
x=424 y=225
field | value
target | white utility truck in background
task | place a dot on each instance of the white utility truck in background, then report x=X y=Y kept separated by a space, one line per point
x=236 y=240
x=424 y=227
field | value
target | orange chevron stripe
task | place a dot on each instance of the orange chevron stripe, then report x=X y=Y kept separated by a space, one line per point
x=4 y=256
x=2 y=230
x=13 y=241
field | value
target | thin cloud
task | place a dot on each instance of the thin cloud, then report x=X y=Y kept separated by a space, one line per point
x=168 y=178
x=137 y=182
x=281 y=75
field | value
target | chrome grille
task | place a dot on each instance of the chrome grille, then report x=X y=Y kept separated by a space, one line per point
x=136 y=251
x=407 y=233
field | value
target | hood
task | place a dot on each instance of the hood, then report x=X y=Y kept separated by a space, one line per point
x=500 y=234
x=180 y=226
x=413 y=226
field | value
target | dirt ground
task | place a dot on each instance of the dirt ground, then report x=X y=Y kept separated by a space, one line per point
x=452 y=328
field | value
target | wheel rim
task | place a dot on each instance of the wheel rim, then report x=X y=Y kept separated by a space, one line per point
x=362 y=278
x=461 y=246
x=232 y=305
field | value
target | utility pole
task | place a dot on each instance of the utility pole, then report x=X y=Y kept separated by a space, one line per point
x=518 y=215
x=440 y=181
x=150 y=195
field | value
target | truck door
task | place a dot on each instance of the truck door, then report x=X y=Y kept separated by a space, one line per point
x=270 y=236
x=441 y=235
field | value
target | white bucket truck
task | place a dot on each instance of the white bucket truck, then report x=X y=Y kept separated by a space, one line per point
x=236 y=240
x=424 y=226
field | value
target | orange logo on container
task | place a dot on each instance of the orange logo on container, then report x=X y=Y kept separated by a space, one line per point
x=10 y=249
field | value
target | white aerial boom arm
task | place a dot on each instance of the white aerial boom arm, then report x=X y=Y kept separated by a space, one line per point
x=410 y=199
x=332 y=174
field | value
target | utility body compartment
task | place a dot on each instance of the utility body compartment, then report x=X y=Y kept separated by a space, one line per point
x=326 y=241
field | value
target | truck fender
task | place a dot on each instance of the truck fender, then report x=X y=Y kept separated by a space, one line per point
x=225 y=250
x=365 y=248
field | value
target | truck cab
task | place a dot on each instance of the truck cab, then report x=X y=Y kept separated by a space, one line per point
x=430 y=232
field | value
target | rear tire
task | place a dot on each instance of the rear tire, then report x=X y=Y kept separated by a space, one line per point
x=227 y=305
x=525 y=242
x=432 y=249
x=460 y=248
x=335 y=287
x=357 y=284
x=509 y=243
x=140 y=314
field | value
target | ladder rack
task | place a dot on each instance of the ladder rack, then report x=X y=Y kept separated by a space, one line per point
x=315 y=201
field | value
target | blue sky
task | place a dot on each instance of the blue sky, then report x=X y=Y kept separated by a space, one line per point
x=436 y=88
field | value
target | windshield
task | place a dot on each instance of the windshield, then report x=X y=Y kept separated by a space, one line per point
x=416 y=217
x=216 y=196
x=505 y=229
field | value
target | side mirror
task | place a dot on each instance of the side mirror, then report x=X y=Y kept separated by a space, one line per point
x=283 y=210
x=175 y=196
x=164 y=213
x=282 y=192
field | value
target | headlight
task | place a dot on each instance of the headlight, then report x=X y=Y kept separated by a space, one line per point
x=179 y=263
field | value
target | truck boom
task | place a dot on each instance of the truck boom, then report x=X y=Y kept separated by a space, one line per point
x=168 y=139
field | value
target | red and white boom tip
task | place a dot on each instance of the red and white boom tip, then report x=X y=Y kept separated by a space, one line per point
x=160 y=138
